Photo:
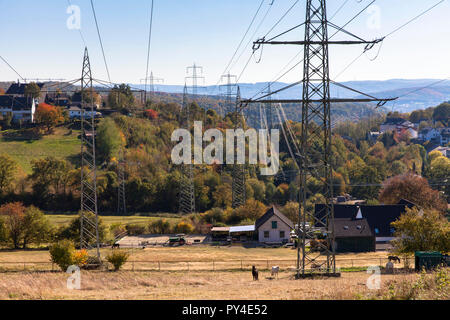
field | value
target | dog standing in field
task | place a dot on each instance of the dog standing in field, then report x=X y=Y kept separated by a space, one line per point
x=254 y=273
x=275 y=271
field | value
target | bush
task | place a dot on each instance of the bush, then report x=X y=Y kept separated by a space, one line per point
x=80 y=257
x=184 y=227
x=61 y=254
x=117 y=258
x=135 y=229
x=160 y=226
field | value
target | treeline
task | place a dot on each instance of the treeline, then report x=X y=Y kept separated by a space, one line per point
x=360 y=166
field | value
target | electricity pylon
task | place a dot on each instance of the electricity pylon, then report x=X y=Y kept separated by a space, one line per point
x=121 y=193
x=152 y=81
x=187 y=195
x=89 y=238
x=315 y=162
x=238 y=183
x=230 y=92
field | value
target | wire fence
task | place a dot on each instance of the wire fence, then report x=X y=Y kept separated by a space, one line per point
x=213 y=265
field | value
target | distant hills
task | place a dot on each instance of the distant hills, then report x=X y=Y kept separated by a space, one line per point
x=413 y=94
x=416 y=95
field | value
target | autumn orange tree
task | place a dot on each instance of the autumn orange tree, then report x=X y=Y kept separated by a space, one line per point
x=13 y=215
x=413 y=188
x=49 y=116
x=151 y=114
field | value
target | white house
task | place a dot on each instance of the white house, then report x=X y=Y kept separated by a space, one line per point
x=22 y=109
x=75 y=112
x=392 y=124
x=273 y=226
x=428 y=134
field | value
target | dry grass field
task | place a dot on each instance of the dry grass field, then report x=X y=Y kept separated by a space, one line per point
x=190 y=273
x=196 y=285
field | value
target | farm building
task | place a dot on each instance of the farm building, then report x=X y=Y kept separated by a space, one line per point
x=220 y=233
x=273 y=226
x=353 y=235
x=379 y=217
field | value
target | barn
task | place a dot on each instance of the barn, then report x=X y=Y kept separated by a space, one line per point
x=378 y=217
x=353 y=235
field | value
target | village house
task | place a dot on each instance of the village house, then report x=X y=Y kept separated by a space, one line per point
x=399 y=126
x=379 y=219
x=22 y=109
x=272 y=227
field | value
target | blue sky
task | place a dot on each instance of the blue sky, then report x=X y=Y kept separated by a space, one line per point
x=36 y=41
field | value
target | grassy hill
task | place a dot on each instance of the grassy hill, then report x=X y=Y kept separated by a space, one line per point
x=63 y=144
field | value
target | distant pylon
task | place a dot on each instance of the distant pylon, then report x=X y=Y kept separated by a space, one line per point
x=239 y=172
x=187 y=195
x=152 y=81
x=230 y=92
x=89 y=237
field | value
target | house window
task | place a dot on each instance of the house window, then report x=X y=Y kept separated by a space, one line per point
x=266 y=234
x=274 y=224
x=281 y=234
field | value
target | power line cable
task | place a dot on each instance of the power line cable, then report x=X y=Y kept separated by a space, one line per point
x=12 y=68
x=415 y=18
x=389 y=34
x=100 y=39
x=79 y=29
x=148 y=49
x=294 y=66
x=243 y=38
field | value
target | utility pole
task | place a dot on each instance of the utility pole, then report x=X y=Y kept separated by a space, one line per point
x=316 y=126
x=238 y=183
x=89 y=238
x=187 y=195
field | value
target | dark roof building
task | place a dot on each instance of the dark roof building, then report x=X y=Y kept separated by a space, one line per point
x=378 y=217
x=353 y=235
x=19 y=88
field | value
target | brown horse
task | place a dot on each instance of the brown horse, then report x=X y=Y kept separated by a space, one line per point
x=394 y=258
x=254 y=273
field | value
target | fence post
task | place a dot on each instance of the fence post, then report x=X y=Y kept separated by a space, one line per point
x=242 y=269
x=159 y=266
x=213 y=266
x=133 y=265
x=267 y=264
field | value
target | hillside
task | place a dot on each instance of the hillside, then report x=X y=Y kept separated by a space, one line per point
x=62 y=144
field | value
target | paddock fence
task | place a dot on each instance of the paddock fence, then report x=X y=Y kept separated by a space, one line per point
x=353 y=264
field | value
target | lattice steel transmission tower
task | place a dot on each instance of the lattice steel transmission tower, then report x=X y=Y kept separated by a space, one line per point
x=151 y=80
x=231 y=91
x=239 y=172
x=315 y=162
x=121 y=192
x=187 y=192
x=89 y=238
